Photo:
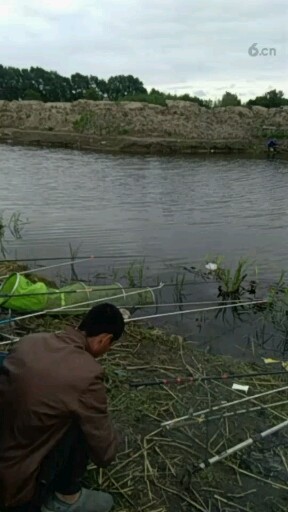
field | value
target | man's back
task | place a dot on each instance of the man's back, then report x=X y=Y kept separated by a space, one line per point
x=49 y=382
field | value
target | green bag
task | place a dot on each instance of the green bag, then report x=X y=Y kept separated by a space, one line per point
x=19 y=285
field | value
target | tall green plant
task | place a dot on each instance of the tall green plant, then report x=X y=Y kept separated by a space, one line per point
x=15 y=226
x=135 y=275
x=179 y=296
x=232 y=281
x=277 y=310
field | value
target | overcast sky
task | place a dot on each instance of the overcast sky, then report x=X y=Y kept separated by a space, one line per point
x=195 y=46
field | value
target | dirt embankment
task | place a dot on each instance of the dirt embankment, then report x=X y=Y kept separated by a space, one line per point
x=180 y=127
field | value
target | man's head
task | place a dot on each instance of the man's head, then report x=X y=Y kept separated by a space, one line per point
x=102 y=325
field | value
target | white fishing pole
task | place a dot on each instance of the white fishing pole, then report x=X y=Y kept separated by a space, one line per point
x=59 y=291
x=72 y=262
x=197 y=310
x=48 y=311
x=73 y=307
x=247 y=410
x=217 y=407
x=164 y=305
x=219 y=302
x=170 y=304
x=244 y=444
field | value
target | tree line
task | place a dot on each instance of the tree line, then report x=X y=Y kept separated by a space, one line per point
x=49 y=86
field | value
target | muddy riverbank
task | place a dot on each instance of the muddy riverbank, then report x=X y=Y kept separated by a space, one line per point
x=126 y=127
x=156 y=467
x=130 y=145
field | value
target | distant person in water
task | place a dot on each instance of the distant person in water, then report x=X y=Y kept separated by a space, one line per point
x=54 y=417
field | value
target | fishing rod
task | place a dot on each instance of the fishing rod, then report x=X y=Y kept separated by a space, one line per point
x=51 y=266
x=128 y=320
x=48 y=311
x=221 y=406
x=104 y=287
x=246 y=410
x=83 y=290
x=59 y=258
x=72 y=307
x=164 y=305
x=236 y=448
x=147 y=317
x=81 y=260
x=193 y=380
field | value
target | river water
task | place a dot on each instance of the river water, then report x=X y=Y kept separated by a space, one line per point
x=175 y=212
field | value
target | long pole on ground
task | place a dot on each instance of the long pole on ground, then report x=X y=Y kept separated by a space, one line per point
x=240 y=446
x=192 y=380
x=217 y=407
x=246 y=410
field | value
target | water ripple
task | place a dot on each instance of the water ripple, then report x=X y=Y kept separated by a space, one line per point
x=168 y=208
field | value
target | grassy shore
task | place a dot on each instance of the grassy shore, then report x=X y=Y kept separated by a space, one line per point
x=153 y=469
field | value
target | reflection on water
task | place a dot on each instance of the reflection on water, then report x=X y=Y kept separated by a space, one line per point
x=172 y=211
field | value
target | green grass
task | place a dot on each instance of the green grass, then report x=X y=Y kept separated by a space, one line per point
x=277 y=133
x=13 y=225
x=147 y=472
x=134 y=275
x=85 y=122
x=232 y=281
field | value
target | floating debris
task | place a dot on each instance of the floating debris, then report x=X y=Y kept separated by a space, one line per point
x=211 y=266
x=240 y=387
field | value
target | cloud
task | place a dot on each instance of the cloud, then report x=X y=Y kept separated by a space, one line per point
x=176 y=43
x=200 y=93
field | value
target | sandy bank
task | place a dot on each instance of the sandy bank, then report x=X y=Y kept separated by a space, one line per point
x=179 y=128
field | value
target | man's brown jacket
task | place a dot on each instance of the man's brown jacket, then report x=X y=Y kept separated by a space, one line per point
x=46 y=384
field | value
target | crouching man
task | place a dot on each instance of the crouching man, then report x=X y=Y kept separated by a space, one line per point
x=54 y=417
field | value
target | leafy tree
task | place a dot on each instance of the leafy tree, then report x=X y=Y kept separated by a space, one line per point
x=120 y=86
x=80 y=84
x=207 y=103
x=229 y=100
x=154 y=99
x=51 y=85
x=271 y=99
x=92 y=94
x=102 y=86
x=39 y=84
x=9 y=83
x=195 y=99
x=98 y=85
x=30 y=94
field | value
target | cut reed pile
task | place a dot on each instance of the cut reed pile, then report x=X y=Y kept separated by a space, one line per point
x=152 y=472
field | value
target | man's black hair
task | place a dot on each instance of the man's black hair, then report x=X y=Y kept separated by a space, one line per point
x=103 y=318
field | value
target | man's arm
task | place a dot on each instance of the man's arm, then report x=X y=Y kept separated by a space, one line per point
x=96 y=425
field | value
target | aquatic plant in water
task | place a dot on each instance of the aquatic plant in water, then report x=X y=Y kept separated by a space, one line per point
x=277 y=310
x=231 y=282
x=15 y=226
x=135 y=275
